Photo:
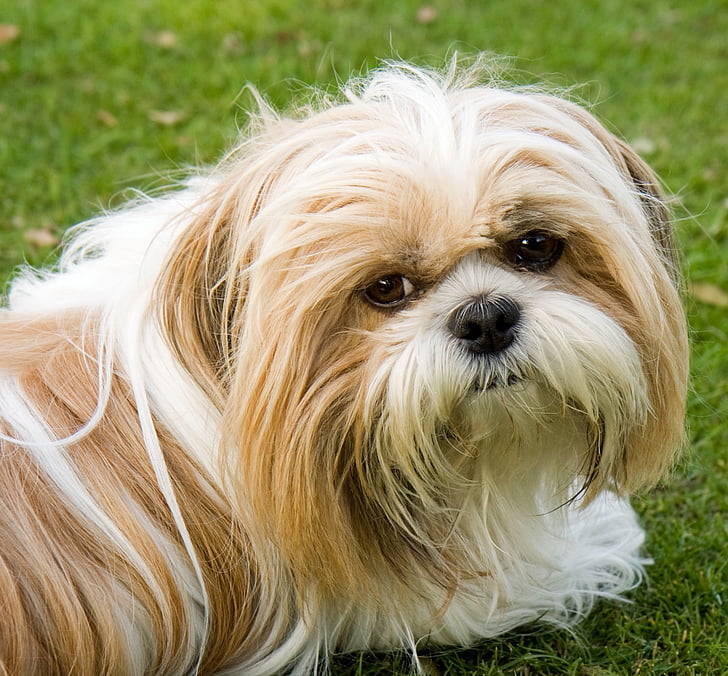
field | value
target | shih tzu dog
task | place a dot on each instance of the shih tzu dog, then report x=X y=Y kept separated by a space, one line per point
x=382 y=379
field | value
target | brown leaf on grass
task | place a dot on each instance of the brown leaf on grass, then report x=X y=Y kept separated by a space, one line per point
x=8 y=33
x=426 y=14
x=284 y=37
x=106 y=118
x=710 y=294
x=643 y=145
x=167 y=118
x=41 y=237
x=308 y=48
x=163 y=39
x=232 y=44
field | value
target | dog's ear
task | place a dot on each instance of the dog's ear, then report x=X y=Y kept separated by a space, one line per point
x=661 y=337
x=653 y=449
x=202 y=289
x=659 y=328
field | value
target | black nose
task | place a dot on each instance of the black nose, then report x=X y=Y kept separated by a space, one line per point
x=485 y=325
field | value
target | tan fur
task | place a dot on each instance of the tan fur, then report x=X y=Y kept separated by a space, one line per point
x=60 y=580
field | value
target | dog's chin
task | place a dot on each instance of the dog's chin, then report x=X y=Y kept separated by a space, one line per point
x=491 y=381
x=503 y=399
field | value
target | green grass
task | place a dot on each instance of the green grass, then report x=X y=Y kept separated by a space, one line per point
x=79 y=88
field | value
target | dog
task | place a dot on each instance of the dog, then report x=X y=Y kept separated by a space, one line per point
x=382 y=379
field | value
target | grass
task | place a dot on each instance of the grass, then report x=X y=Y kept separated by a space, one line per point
x=99 y=96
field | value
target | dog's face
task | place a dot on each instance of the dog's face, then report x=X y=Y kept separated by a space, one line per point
x=414 y=302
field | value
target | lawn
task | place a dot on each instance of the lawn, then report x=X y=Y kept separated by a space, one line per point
x=97 y=97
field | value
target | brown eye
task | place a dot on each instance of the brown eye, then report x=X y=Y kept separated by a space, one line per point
x=536 y=251
x=389 y=291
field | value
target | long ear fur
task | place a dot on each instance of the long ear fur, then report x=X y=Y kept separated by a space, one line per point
x=662 y=332
x=668 y=362
x=203 y=287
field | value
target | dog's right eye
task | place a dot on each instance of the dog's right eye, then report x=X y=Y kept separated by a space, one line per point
x=390 y=291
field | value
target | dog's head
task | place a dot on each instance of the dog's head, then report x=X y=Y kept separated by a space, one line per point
x=429 y=297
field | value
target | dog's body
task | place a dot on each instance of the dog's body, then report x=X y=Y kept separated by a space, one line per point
x=375 y=382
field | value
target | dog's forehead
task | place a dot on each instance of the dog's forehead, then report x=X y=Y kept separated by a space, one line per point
x=467 y=162
x=419 y=186
x=418 y=211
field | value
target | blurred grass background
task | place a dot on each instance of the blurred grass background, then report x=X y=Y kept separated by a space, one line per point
x=99 y=96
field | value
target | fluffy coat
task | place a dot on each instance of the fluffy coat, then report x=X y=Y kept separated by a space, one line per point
x=219 y=454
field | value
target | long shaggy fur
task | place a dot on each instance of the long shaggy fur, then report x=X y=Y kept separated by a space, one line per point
x=219 y=456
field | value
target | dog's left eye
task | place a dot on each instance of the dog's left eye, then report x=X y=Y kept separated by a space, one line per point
x=535 y=251
x=389 y=291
